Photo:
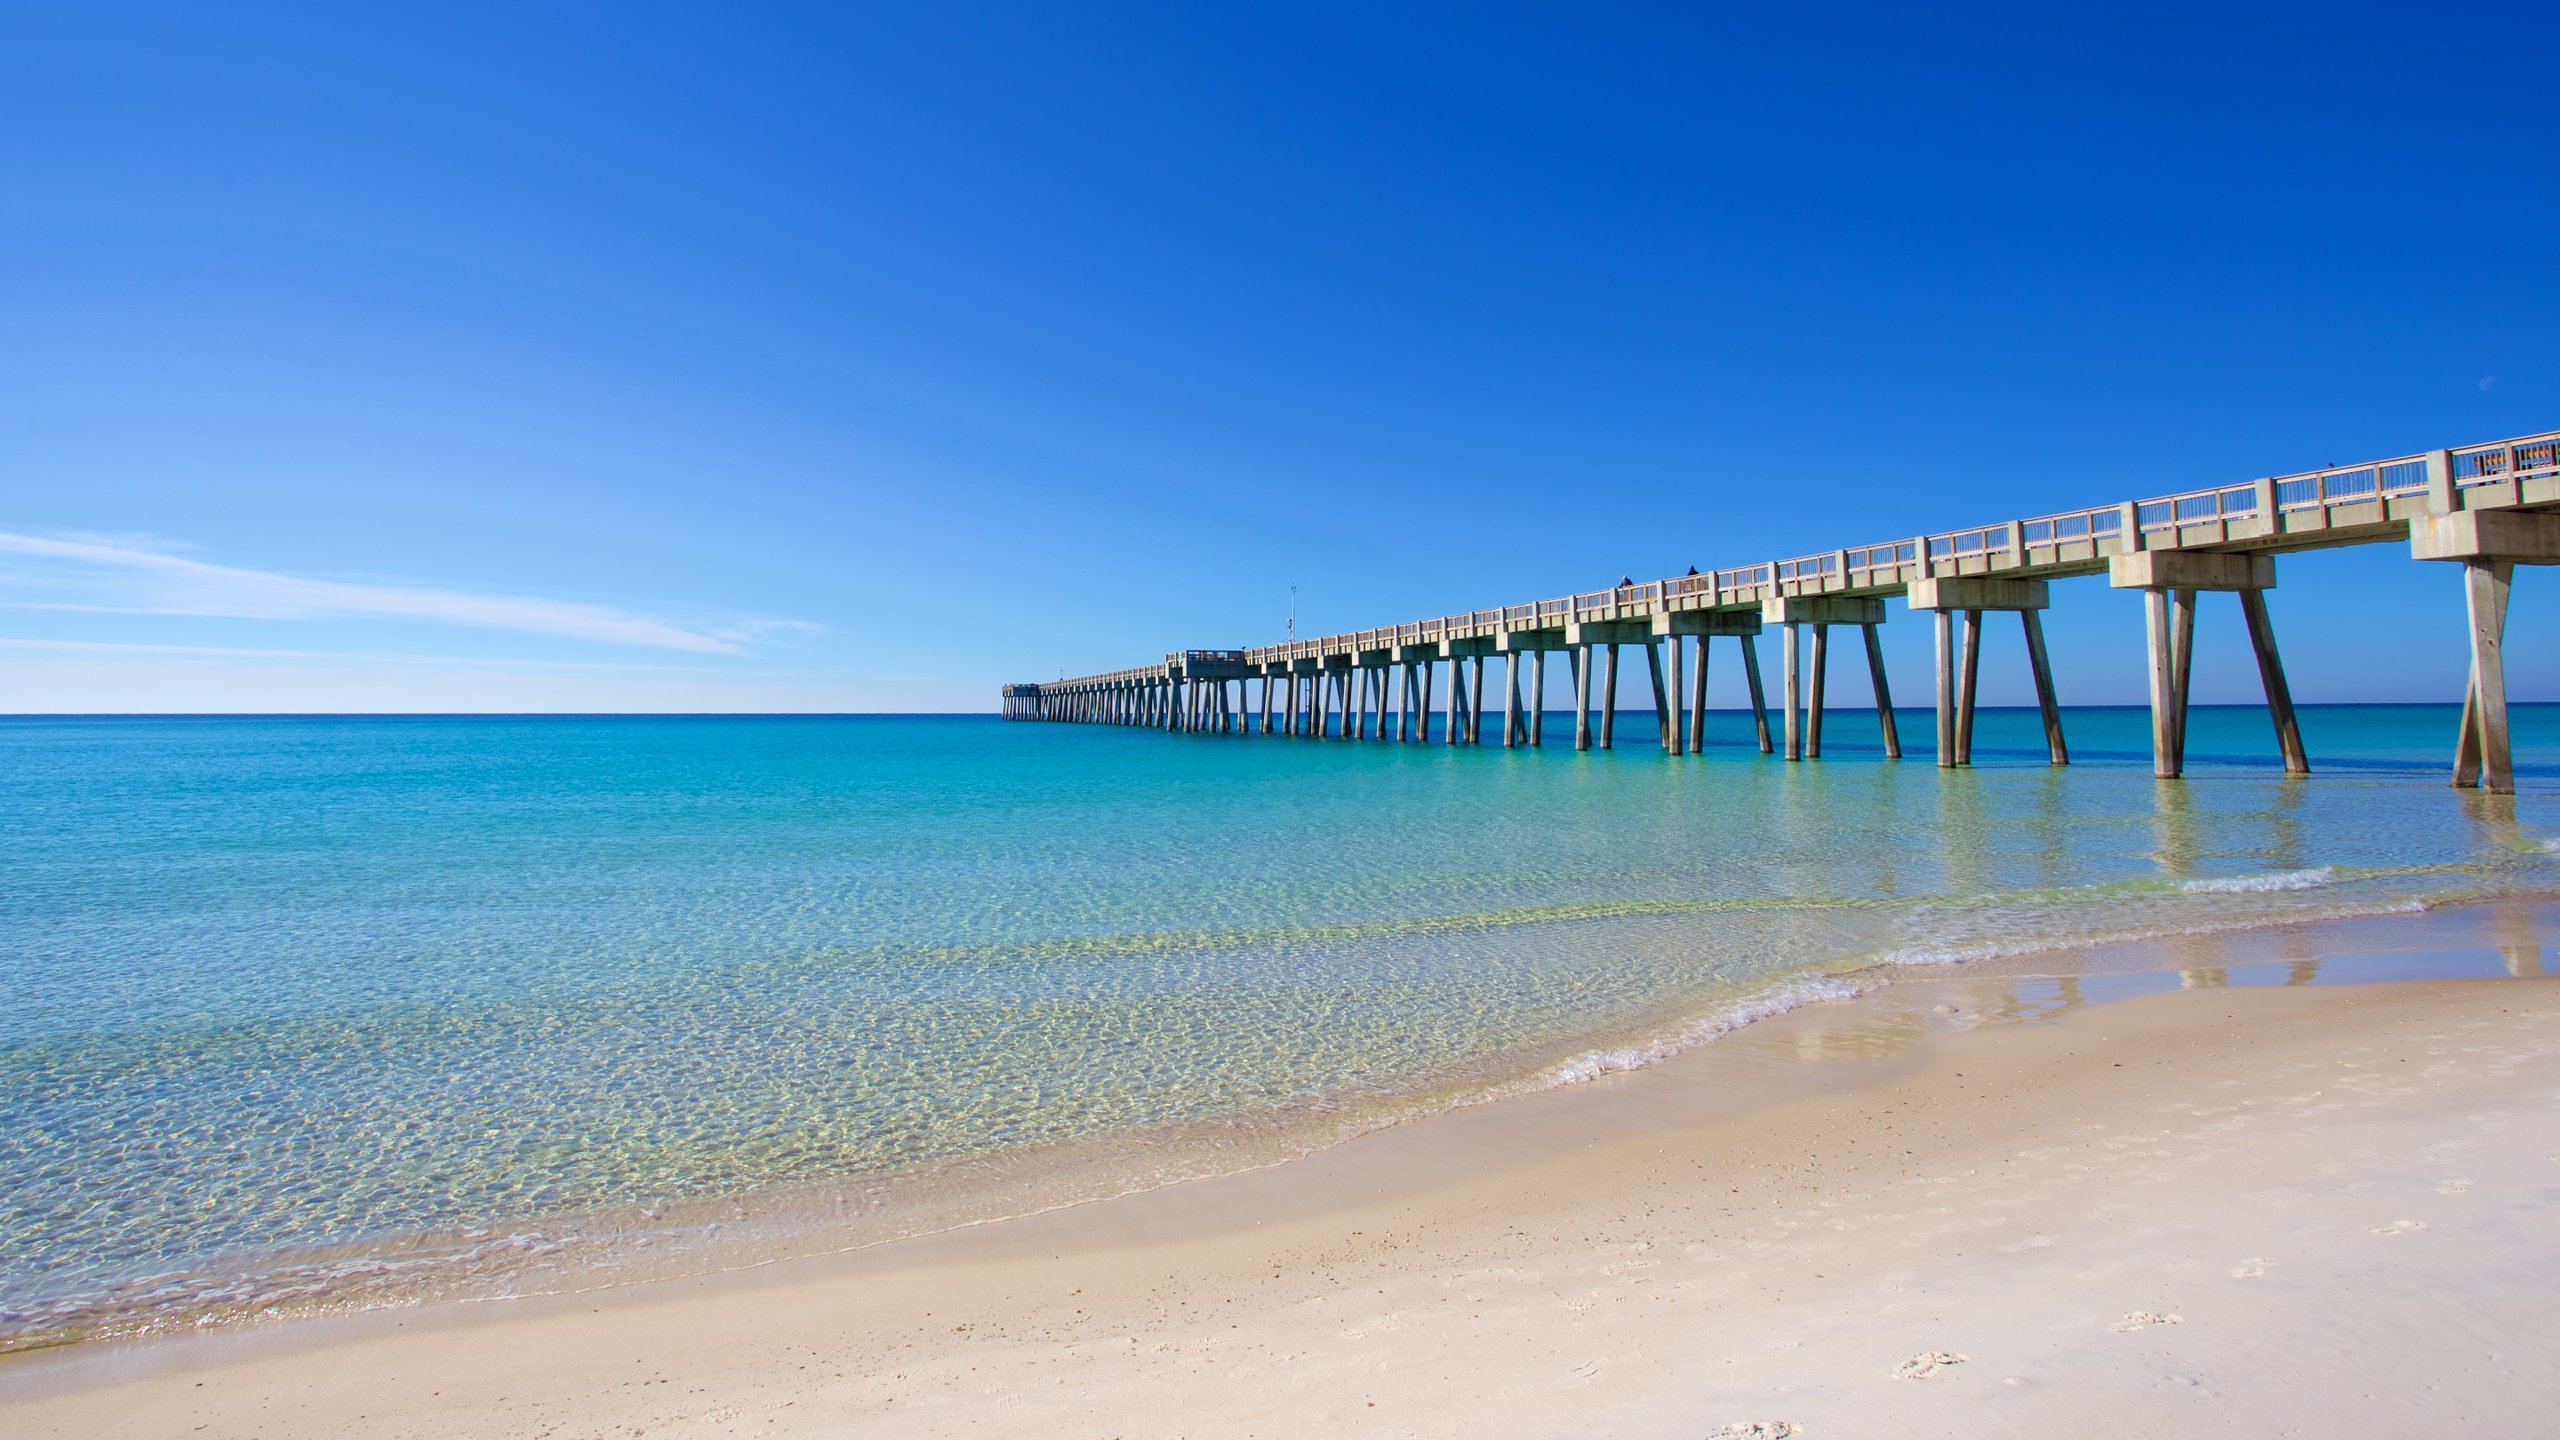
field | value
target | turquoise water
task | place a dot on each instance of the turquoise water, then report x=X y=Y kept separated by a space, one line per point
x=317 y=1013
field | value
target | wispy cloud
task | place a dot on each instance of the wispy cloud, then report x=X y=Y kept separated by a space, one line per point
x=122 y=575
x=130 y=649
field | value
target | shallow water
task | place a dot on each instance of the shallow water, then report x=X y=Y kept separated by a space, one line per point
x=310 y=1013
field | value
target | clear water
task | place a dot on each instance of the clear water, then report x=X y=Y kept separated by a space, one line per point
x=315 y=1013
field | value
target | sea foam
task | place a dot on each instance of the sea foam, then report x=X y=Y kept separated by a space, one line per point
x=2310 y=879
x=1592 y=1064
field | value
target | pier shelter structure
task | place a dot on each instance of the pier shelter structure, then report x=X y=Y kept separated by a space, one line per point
x=2486 y=508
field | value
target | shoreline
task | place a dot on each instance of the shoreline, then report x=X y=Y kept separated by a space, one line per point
x=1812 y=1056
x=574 y=1254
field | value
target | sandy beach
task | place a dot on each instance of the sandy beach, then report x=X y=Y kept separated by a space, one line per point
x=1950 y=1207
x=1207 y=722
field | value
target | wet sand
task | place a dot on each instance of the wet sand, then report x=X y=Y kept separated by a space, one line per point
x=1973 y=1202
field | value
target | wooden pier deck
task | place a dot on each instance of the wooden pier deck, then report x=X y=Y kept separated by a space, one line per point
x=2484 y=508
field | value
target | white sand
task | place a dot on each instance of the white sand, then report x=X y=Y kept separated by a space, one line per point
x=2321 y=1211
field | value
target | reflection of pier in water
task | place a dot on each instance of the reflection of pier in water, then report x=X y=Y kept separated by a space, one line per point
x=2517 y=938
x=2485 y=507
x=2292 y=956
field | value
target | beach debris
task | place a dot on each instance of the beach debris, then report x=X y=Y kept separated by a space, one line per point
x=1921 y=1367
x=2249 y=1269
x=1753 y=1430
x=2145 y=1319
x=2399 y=1227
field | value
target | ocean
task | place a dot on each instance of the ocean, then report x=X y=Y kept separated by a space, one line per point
x=309 y=1014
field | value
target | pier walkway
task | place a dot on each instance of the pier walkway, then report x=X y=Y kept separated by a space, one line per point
x=2482 y=508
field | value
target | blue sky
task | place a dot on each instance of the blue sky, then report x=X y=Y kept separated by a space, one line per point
x=771 y=357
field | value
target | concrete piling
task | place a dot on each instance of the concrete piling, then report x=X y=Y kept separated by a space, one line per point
x=1609 y=701
x=1818 y=665
x=1759 y=700
x=1581 y=656
x=2171 y=581
x=1698 y=701
x=1892 y=733
x=2032 y=624
x=1789 y=663
x=1661 y=715
x=1968 y=686
x=1958 y=602
x=2489 y=545
x=1675 y=727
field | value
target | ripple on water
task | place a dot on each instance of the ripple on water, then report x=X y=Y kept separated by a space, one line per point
x=318 y=1013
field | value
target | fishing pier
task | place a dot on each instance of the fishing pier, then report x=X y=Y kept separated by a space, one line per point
x=2482 y=510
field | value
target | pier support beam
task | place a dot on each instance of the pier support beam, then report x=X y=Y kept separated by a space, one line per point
x=1759 y=698
x=2170 y=581
x=1609 y=702
x=1790 y=664
x=1960 y=663
x=1703 y=626
x=1528 y=645
x=1820 y=665
x=2049 y=706
x=1968 y=686
x=2483 y=754
x=1803 y=725
x=1675 y=729
x=2489 y=545
x=1698 y=701
x=1661 y=712
x=1884 y=691
x=2262 y=644
x=1582 y=639
x=1581 y=696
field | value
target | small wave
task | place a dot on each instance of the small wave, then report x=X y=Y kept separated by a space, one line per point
x=1165 y=942
x=1593 y=1064
x=2311 y=879
x=2130 y=934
